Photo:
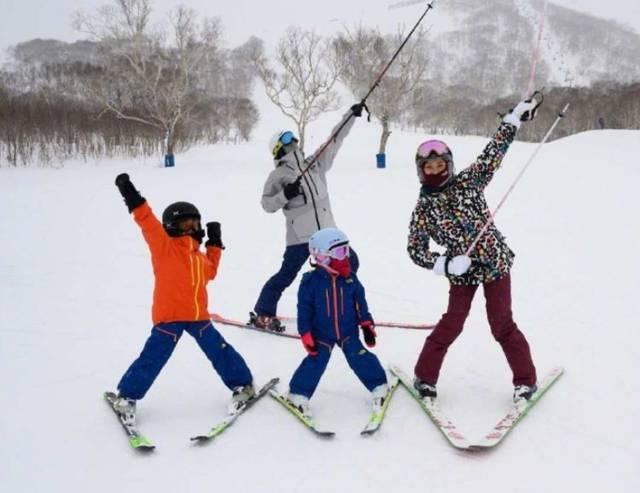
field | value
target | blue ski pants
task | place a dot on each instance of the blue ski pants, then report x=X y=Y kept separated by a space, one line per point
x=293 y=259
x=164 y=337
x=364 y=364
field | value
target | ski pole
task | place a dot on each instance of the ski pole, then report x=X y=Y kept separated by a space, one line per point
x=536 y=56
x=373 y=87
x=493 y=213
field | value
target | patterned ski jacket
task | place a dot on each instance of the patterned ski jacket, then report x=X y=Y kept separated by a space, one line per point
x=311 y=210
x=181 y=271
x=453 y=217
x=331 y=306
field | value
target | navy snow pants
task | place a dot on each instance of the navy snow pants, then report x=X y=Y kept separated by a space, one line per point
x=164 y=337
x=293 y=259
x=364 y=364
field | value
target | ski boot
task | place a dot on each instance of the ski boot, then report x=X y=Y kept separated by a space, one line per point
x=126 y=408
x=301 y=403
x=266 y=322
x=426 y=390
x=240 y=397
x=379 y=395
x=524 y=392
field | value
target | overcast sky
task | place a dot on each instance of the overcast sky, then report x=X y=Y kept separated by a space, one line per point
x=28 y=19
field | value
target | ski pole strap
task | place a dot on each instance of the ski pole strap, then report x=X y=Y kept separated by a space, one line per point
x=364 y=105
x=534 y=96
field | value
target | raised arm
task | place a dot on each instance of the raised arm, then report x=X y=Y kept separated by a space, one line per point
x=481 y=172
x=326 y=153
x=152 y=230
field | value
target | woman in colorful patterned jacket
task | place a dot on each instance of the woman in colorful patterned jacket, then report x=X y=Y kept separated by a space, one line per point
x=451 y=211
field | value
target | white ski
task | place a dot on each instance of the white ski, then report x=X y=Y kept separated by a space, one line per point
x=517 y=412
x=431 y=408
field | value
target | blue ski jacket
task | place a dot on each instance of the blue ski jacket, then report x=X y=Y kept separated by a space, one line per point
x=331 y=306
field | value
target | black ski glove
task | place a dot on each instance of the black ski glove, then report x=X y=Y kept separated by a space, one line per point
x=356 y=109
x=292 y=190
x=131 y=196
x=215 y=235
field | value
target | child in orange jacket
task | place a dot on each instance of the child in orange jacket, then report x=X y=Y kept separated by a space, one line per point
x=181 y=273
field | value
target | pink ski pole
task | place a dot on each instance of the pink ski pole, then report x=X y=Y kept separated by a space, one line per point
x=536 y=56
x=510 y=189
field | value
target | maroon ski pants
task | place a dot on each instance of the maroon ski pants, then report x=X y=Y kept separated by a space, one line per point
x=503 y=328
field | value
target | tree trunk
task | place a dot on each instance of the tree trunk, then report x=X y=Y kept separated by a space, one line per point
x=386 y=133
x=170 y=142
x=302 y=127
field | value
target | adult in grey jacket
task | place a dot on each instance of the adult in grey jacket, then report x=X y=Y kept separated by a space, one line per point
x=298 y=186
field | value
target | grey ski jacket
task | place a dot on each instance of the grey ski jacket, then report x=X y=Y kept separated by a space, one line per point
x=310 y=211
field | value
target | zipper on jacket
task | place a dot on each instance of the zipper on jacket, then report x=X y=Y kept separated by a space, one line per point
x=197 y=286
x=313 y=182
x=326 y=293
x=313 y=200
x=196 y=277
x=342 y=300
x=335 y=307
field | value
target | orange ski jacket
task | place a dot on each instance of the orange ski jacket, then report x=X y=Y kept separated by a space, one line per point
x=180 y=269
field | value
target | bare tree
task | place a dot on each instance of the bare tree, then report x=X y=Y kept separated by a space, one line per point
x=152 y=77
x=302 y=87
x=364 y=53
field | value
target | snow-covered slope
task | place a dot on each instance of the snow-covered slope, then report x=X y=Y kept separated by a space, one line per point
x=75 y=290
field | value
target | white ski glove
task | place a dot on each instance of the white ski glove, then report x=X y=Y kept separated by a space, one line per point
x=524 y=111
x=438 y=267
x=455 y=266
x=458 y=265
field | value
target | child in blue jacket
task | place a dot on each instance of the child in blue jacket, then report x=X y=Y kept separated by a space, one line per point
x=331 y=307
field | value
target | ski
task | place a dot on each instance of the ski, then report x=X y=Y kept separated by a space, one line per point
x=307 y=421
x=223 y=425
x=136 y=439
x=517 y=412
x=376 y=418
x=215 y=317
x=397 y=325
x=431 y=408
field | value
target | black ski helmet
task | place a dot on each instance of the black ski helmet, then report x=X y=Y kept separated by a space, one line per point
x=177 y=212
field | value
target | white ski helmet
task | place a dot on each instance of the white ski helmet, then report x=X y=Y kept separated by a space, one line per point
x=327 y=243
x=278 y=142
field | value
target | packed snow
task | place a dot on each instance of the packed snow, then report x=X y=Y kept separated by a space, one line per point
x=75 y=295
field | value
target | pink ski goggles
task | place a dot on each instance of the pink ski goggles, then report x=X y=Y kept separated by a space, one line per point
x=432 y=146
x=339 y=253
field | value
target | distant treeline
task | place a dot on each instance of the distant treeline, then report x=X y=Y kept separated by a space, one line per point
x=40 y=127
x=611 y=106
x=44 y=128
